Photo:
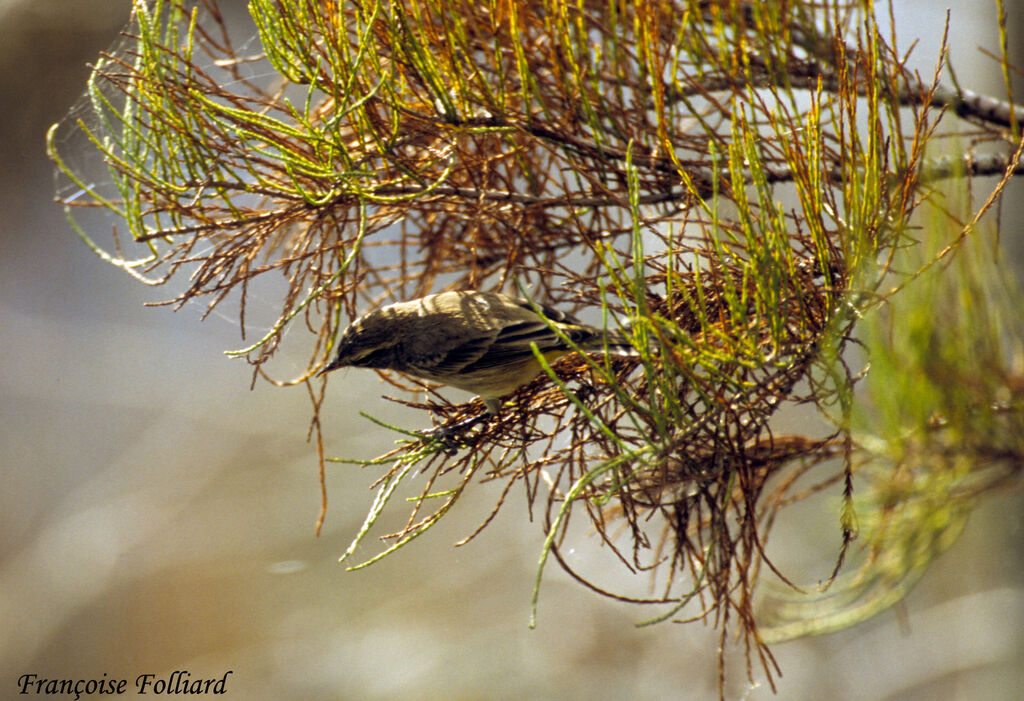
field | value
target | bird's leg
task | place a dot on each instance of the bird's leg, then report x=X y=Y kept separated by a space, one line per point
x=447 y=434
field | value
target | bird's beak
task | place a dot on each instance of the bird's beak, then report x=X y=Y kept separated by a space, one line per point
x=327 y=368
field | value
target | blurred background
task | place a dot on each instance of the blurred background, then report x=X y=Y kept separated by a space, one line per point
x=158 y=515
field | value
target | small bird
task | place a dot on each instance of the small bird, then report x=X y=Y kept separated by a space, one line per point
x=474 y=341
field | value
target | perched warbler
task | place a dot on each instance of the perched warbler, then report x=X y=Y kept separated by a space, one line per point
x=474 y=341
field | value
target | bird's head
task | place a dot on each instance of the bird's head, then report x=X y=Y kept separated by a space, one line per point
x=369 y=342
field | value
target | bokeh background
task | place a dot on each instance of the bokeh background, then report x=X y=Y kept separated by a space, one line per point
x=157 y=515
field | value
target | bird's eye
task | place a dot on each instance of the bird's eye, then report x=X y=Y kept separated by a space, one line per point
x=377 y=358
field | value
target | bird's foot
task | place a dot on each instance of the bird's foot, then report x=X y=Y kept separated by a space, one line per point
x=449 y=436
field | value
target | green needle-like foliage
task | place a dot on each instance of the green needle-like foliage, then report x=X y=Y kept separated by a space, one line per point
x=730 y=183
x=939 y=423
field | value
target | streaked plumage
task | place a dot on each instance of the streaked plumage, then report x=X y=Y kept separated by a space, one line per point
x=474 y=341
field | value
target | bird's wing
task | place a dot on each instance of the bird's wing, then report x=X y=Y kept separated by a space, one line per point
x=512 y=344
x=451 y=358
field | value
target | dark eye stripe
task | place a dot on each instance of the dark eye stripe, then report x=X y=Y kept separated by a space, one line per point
x=380 y=358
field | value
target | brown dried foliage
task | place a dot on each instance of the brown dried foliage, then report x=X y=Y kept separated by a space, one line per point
x=480 y=143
